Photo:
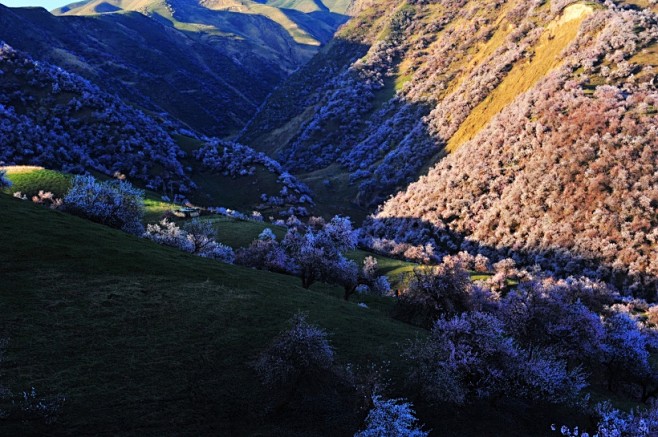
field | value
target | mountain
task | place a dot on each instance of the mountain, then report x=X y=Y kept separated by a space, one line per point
x=284 y=33
x=54 y=118
x=406 y=81
x=536 y=119
x=209 y=65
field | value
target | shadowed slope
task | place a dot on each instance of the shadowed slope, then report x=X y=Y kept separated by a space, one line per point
x=139 y=336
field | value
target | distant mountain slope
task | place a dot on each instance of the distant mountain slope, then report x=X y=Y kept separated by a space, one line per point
x=146 y=63
x=287 y=33
x=566 y=176
x=423 y=77
x=53 y=118
x=209 y=64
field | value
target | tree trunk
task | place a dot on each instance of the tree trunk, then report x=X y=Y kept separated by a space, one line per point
x=349 y=290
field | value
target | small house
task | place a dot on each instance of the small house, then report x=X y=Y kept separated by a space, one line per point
x=187 y=212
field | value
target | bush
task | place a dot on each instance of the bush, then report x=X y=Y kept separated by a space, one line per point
x=4 y=182
x=317 y=252
x=391 y=418
x=434 y=291
x=381 y=286
x=112 y=203
x=616 y=423
x=471 y=357
x=202 y=237
x=297 y=354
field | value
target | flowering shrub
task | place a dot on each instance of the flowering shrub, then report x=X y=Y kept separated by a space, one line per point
x=297 y=354
x=48 y=199
x=196 y=237
x=435 y=291
x=317 y=254
x=4 y=182
x=616 y=423
x=470 y=357
x=112 y=203
x=391 y=417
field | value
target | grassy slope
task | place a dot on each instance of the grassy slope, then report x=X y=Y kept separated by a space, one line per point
x=232 y=232
x=143 y=338
x=241 y=193
x=30 y=180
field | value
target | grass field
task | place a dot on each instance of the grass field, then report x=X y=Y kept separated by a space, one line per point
x=142 y=338
x=30 y=180
x=147 y=340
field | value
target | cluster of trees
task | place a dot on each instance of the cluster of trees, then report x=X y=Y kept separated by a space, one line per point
x=197 y=237
x=59 y=120
x=348 y=100
x=315 y=252
x=235 y=160
x=113 y=203
x=383 y=132
x=472 y=355
x=541 y=339
x=117 y=204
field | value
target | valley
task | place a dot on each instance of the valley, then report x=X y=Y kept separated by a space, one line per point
x=329 y=217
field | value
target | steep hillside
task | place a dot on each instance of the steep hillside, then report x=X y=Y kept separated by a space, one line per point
x=407 y=80
x=565 y=176
x=56 y=119
x=53 y=118
x=210 y=63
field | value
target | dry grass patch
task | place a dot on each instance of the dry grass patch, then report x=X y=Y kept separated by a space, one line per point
x=557 y=37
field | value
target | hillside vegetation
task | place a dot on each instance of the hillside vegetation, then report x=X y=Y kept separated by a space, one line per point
x=406 y=81
x=565 y=176
x=500 y=160
x=59 y=120
x=208 y=64
x=285 y=34
x=552 y=102
x=147 y=64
